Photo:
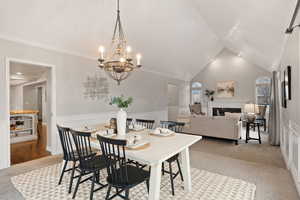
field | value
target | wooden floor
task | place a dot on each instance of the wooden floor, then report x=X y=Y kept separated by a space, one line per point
x=30 y=150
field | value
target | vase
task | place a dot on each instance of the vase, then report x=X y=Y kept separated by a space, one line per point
x=121 y=122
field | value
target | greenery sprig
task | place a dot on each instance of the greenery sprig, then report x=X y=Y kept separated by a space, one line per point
x=121 y=101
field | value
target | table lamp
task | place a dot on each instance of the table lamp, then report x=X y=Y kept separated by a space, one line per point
x=251 y=109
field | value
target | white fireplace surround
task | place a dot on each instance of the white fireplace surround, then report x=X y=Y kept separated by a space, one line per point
x=207 y=107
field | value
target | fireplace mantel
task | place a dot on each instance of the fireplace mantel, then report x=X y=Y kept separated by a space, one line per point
x=224 y=104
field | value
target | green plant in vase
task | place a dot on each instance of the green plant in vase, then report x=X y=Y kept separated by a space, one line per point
x=122 y=103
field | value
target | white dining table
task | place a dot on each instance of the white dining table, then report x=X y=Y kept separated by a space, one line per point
x=160 y=149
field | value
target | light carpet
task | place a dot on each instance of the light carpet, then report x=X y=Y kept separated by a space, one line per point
x=41 y=184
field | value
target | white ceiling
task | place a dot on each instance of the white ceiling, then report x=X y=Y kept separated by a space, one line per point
x=29 y=73
x=175 y=37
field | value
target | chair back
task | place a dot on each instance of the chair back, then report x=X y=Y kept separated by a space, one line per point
x=82 y=142
x=167 y=124
x=67 y=143
x=128 y=121
x=196 y=109
x=145 y=122
x=178 y=128
x=174 y=126
x=262 y=110
x=114 y=153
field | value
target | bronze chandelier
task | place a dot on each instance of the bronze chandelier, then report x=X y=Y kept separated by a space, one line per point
x=118 y=63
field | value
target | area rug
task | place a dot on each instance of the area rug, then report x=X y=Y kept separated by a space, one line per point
x=41 y=184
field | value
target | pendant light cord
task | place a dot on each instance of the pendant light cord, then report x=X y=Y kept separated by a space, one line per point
x=118 y=5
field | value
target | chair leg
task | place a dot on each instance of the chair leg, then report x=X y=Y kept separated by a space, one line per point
x=93 y=185
x=127 y=194
x=77 y=184
x=62 y=172
x=163 y=168
x=259 y=138
x=147 y=184
x=72 y=177
x=108 y=193
x=171 y=178
x=179 y=168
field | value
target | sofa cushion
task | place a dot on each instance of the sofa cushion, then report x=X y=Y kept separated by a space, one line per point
x=229 y=115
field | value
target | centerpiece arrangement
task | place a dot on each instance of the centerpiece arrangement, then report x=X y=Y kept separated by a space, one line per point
x=122 y=103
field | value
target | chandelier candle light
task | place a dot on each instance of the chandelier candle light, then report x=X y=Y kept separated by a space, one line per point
x=118 y=63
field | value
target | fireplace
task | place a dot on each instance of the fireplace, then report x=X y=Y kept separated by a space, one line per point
x=221 y=111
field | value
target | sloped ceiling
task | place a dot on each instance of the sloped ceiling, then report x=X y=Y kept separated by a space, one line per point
x=175 y=37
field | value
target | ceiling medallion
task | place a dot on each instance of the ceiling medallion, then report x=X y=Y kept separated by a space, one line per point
x=118 y=63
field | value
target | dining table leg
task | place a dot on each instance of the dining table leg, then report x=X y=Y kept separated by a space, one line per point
x=186 y=169
x=155 y=179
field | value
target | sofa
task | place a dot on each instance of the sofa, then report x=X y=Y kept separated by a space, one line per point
x=218 y=126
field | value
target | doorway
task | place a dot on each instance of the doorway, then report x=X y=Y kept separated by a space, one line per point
x=30 y=110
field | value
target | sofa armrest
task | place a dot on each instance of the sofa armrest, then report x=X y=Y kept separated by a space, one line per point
x=239 y=128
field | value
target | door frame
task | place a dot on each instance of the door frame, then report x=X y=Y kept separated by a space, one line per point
x=51 y=128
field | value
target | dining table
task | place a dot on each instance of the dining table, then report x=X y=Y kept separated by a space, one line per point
x=158 y=150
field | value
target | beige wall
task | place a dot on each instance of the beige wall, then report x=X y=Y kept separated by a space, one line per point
x=228 y=66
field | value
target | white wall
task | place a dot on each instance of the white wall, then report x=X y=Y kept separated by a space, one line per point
x=290 y=116
x=16 y=97
x=149 y=90
x=228 y=66
x=291 y=57
x=173 y=102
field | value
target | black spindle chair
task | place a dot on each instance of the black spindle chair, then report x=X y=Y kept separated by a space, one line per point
x=128 y=121
x=69 y=154
x=121 y=175
x=89 y=161
x=145 y=122
x=167 y=124
x=178 y=128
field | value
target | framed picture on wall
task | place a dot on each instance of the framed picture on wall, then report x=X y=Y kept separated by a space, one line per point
x=288 y=83
x=225 y=89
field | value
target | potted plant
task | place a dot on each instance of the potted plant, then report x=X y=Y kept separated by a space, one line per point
x=122 y=103
x=210 y=94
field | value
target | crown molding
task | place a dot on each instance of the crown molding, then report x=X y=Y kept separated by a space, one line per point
x=77 y=54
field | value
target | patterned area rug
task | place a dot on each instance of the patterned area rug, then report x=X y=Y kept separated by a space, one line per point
x=41 y=184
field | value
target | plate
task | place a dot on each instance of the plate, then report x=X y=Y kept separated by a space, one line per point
x=139 y=145
x=162 y=134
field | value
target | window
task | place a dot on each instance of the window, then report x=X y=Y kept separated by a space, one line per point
x=196 y=92
x=263 y=90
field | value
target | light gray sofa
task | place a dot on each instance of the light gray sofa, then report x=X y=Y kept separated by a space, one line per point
x=218 y=127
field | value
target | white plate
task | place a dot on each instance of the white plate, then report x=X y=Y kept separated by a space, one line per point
x=163 y=134
x=104 y=134
x=138 y=144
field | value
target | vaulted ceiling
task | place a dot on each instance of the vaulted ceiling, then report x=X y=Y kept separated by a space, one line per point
x=175 y=37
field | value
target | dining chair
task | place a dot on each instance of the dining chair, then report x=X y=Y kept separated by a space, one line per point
x=145 y=122
x=69 y=155
x=121 y=175
x=89 y=161
x=167 y=124
x=128 y=121
x=178 y=128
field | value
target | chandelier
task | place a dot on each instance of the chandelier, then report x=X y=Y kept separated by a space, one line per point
x=118 y=63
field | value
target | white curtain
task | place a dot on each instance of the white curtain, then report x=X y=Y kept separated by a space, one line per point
x=274 y=117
